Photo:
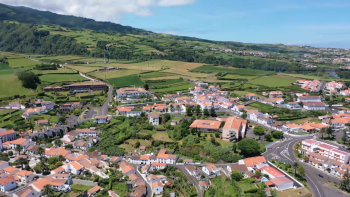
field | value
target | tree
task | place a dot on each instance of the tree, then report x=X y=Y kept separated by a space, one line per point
x=10 y=153
x=277 y=134
x=212 y=192
x=146 y=86
x=212 y=111
x=249 y=147
x=301 y=171
x=189 y=111
x=62 y=120
x=343 y=139
x=244 y=115
x=28 y=79
x=206 y=112
x=40 y=152
x=137 y=144
x=171 y=107
x=237 y=176
x=329 y=131
x=76 y=112
x=306 y=159
x=345 y=183
x=322 y=131
x=295 y=167
x=234 y=147
x=58 y=142
x=48 y=191
x=258 y=130
x=297 y=146
x=22 y=161
x=268 y=137
x=18 y=148
x=198 y=109
x=222 y=124
x=43 y=167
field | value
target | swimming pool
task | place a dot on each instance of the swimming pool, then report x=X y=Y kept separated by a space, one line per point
x=264 y=179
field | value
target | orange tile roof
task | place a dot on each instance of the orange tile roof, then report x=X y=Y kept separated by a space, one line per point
x=234 y=123
x=6 y=180
x=127 y=169
x=7 y=132
x=94 y=189
x=76 y=165
x=157 y=184
x=206 y=124
x=272 y=171
x=24 y=173
x=10 y=169
x=252 y=161
x=158 y=164
x=18 y=141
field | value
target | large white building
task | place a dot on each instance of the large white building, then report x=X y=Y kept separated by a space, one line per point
x=234 y=129
x=131 y=92
x=315 y=106
x=309 y=99
x=327 y=150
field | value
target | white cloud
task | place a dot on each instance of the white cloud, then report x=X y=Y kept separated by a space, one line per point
x=101 y=10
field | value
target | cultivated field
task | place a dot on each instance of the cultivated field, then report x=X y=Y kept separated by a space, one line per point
x=126 y=81
x=59 y=70
x=10 y=85
x=84 y=69
x=22 y=62
x=273 y=81
x=114 y=74
x=129 y=145
x=237 y=71
x=52 y=78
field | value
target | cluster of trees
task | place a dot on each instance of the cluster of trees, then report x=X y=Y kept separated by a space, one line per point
x=3 y=60
x=344 y=74
x=24 y=38
x=47 y=66
x=249 y=147
x=198 y=111
x=28 y=79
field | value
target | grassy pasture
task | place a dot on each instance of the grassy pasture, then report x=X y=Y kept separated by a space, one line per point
x=162 y=136
x=237 y=71
x=4 y=111
x=129 y=146
x=22 y=62
x=156 y=74
x=273 y=81
x=59 y=70
x=52 y=78
x=131 y=80
x=84 y=69
x=10 y=85
x=114 y=74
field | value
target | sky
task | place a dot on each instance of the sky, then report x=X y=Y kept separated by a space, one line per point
x=320 y=23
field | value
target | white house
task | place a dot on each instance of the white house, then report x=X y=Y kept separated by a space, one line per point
x=101 y=119
x=157 y=188
x=73 y=167
x=316 y=106
x=157 y=166
x=309 y=99
x=7 y=183
x=211 y=169
x=282 y=183
x=154 y=118
x=131 y=92
x=293 y=106
x=251 y=96
x=25 y=176
x=265 y=120
x=190 y=169
x=272 y=172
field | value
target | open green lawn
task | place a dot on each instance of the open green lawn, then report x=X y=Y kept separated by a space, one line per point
x=210 y=135
x=52 y=78
x=59 y=70
x=44 y=116
x=131 y=80
x=22 y=62
x=156 y=74
x=129 y=145
x=120 y=188
x=174 y=89
x=238 y=71
x=293 y=192
x=84 y=69
x=114 y=74
x=241 y=93
x=273 y=81
x=4 y=66
x=79 y=187
x=233 y=76
x=4 y=111
x=10 y=85
x=162 y=136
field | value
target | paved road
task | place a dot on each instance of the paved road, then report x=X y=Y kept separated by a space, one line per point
x=105 y=106
x=317 y=184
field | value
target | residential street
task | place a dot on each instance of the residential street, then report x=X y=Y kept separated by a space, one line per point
x=317 y=184
x=105 y=106
x=192 y=179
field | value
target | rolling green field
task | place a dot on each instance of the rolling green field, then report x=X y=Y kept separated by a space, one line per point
x=273 y=81
x=10 y=85
x=126 y=81
x=174 y=89
x=84 y=69
x=114 y=74
x=22 y=62
x=52 y=78
x=232 y=76
x=238 y=71
x=156 y=74
x=59 y=70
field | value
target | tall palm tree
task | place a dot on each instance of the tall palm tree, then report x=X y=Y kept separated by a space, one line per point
x=295 y=166
x=48 y=191
x=322 y=131
x=297 y=146
x=40 y=152
x=18 y=149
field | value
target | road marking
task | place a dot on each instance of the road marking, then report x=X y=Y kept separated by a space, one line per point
x=314 y=185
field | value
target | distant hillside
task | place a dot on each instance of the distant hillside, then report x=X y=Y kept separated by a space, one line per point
x=28 y=15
